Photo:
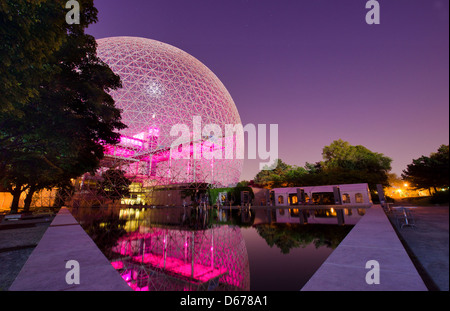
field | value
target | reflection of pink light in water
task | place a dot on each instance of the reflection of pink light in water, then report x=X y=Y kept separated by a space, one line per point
x=226 y=259
x=126 y=276
x=179 y=267
x=137 y=288
x=117 y=265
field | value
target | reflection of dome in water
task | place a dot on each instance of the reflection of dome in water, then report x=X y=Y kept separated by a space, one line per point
x=161 y=259
x=164 y=86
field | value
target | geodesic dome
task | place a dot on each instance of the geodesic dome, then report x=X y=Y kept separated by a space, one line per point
x=164 y=86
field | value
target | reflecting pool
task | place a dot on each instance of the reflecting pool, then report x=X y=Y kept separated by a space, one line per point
x=195 y=249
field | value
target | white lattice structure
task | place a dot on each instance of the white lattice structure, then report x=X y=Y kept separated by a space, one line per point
x=164 y=86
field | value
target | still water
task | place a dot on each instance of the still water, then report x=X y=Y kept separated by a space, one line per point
x=178 y=249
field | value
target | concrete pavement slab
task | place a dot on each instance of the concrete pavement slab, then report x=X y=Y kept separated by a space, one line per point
x=65 y=240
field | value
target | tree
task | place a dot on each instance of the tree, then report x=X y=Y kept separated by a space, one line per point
x=344 y=163
x=31 y=32
x=296 y=176
x=338 y=150
x=20 y=179
x=441 y=166
x=429 y=172
x=273 y=178
x=340 y=154
x=58 y=131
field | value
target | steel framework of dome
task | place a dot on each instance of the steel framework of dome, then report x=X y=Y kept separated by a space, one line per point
x=164 y=86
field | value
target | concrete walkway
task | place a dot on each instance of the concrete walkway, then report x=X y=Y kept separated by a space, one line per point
x=373 y=238
x=428 y=244
x=18 y=239
x=63 y=241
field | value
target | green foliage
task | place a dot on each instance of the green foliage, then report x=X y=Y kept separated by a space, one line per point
x=354 y=164
x=214 y=194
x=233 y=194
x=289 y=236
x=295 y=175
x=236 y=194
x=30 y=32
x=342 y=164
x=429 y=172
x=273 y=178
x=55 y=108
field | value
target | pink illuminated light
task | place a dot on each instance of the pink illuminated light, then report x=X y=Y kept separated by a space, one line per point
x=153 y=131
x=131 y=142
x=117 y=265
x=164 y=86
x=171 y=252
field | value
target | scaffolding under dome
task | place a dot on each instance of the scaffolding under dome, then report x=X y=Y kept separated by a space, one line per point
x=164 y=86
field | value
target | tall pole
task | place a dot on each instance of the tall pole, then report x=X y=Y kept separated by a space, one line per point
x=195 y=170
x=165 y=249
x=192 y=254
x=212 y=249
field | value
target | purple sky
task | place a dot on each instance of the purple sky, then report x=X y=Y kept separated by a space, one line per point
x=314 y=67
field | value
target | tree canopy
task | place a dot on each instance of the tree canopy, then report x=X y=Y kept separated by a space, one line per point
x=57 y=112
x=340 y=154
x=342 y=164
x=429 y=172
x=273 y=178
x=31 y=32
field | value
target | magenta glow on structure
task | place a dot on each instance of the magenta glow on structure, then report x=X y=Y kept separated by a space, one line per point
x=174 y=259
x=164 y=86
